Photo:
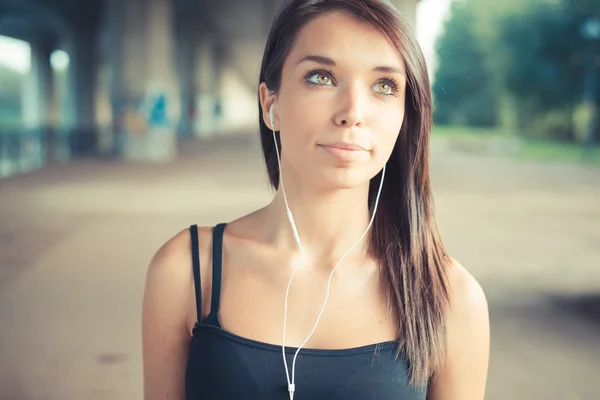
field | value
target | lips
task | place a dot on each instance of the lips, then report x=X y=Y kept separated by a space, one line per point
x=345 y=152
x=344 y=146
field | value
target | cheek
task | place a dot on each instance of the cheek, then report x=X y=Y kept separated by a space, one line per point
x=295 y=138
x=301 y=125
x=303 y=116
x=388 y=128
x=307 y=110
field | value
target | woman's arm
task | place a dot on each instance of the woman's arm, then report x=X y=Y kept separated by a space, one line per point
x=463 y=375
x=165 y=339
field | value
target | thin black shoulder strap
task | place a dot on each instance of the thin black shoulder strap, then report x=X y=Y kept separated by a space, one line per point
x=196 y=266
x=217 y=257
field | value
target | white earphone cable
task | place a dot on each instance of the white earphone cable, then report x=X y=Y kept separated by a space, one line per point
x=291 y=387
x=291 y=382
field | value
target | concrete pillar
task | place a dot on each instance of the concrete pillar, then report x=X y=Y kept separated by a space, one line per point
x=82 y=85
x=38 y=89
x=123 y=49
x=218 y=60
x=186 y=67
x=144 y=90
x=209 y=76
x=39 y=107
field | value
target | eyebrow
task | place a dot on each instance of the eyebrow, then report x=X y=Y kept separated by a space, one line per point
x=328 y=61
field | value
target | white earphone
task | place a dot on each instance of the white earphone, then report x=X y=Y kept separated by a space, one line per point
x=291 y=382
x=272 y=116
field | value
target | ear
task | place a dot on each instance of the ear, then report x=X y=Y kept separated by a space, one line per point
x=267 y=99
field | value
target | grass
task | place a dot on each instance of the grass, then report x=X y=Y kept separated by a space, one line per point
x=502 y=142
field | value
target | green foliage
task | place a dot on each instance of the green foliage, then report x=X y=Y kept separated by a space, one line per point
x=542 y=64
x=527 y=60
x=542 y=57
x=464 y=87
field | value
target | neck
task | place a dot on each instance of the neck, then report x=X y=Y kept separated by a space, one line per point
x=329 y=222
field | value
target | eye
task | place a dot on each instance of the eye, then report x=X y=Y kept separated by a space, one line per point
x=386 y=87
x=319 y=78
x=383 y=88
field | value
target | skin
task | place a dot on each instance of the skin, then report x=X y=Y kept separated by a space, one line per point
x=353 y=101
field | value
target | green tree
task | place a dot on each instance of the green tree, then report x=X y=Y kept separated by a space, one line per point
x=541 y=59
x=463 y=84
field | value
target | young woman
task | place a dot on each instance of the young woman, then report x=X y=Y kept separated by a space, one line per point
x=340 y=288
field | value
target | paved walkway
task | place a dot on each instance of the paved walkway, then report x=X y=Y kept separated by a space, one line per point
x=75 y=242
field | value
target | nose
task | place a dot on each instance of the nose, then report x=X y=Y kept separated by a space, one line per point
x=352 y=109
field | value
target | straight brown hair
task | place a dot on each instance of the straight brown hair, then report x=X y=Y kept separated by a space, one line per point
x=404 y=238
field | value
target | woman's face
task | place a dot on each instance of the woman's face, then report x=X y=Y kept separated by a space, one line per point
x=340 y=105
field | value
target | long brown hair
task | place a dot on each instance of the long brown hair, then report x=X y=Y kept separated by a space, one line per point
x=404 y=239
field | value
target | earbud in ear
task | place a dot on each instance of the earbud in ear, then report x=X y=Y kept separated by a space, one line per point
x=272 y=116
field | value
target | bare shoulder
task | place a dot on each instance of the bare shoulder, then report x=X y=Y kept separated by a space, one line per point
x=174 y=257
x=168 y=298
x=170 y=268
x=467 y=298
x=468 y=316
x=463 y=374
x=170 y=274
x=172 y=253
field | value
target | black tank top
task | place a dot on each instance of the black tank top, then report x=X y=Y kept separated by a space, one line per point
x=225 y=366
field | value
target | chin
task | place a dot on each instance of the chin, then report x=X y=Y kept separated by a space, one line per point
x=346 y=178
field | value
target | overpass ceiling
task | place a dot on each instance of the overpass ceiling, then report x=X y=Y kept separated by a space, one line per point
x=22 y=27
x=38 y=18
x=53 y=20
x=45 y=19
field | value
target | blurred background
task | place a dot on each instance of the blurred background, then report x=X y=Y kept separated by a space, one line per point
x=122 y=122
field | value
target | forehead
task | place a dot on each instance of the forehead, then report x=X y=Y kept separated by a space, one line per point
x=349 y=42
